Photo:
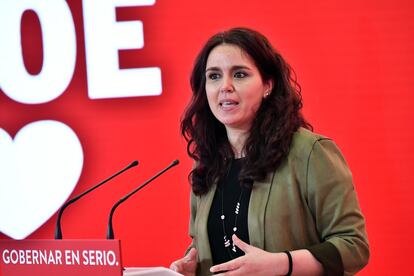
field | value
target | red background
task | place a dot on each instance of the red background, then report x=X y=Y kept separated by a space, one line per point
x=354 y=60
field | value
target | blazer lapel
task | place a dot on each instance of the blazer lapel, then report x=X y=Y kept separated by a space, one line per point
x=256 y=213
x=202 y=233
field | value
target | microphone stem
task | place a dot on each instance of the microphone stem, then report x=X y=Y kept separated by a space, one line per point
x=110 y=231
x=58 y=229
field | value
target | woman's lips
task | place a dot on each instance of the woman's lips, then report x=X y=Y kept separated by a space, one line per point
x=228 y=105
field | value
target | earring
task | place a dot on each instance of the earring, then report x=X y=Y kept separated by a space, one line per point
x=266 y=94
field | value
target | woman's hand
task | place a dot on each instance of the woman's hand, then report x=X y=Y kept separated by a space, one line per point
x=187 y=265
x=255 y=262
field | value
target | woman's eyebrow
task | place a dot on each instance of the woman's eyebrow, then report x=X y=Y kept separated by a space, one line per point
x=234 y=67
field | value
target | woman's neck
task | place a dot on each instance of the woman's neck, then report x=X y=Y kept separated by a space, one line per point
x=237 y=139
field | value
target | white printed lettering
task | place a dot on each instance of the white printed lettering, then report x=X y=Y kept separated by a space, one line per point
x=28 y=255
x=21 y=257
x=14 y=257
x=5 y=256
x=43 y=257
x=72 y=257
x=31 y=257
x=111 y=257
x=85 y=257
x=103 y=38
x=99 y=257
x=35 y=255
x=59 y=51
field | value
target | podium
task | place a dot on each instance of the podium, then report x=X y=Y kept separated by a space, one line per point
x=149 y=271
x=67 y=258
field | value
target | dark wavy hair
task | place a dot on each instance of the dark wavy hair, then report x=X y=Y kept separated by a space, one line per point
x=278 y=117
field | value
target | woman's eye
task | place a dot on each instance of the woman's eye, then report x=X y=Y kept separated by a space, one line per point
x=213 y=76
x=240 y=75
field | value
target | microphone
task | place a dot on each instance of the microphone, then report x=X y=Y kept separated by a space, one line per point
x=110 y=230
x=58 y=230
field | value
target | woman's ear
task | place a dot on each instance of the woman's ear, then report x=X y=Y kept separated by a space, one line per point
x=268 y=88
x=269 y=85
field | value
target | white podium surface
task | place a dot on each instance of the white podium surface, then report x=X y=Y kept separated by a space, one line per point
x=149 y=271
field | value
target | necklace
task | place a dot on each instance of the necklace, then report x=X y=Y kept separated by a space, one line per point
x=227 y=242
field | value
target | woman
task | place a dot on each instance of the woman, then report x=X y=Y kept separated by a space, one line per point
x=269 y=196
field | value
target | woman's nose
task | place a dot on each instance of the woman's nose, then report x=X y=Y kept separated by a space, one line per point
x=227 y=85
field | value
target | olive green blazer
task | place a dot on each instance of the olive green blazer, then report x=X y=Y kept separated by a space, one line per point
x=308 y=200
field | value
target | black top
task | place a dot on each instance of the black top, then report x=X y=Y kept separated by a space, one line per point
x=225 y=200
x=228 y=193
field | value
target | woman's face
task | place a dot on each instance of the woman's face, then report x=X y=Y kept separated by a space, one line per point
x=234 y=86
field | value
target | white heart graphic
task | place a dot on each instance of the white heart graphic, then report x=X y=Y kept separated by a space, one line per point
x=38 y=171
